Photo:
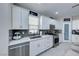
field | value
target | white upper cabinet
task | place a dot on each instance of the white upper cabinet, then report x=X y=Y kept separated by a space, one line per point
x=56 y=23
x=44 y=22
x=19 y=18
x=25 y=18
x=53 y=22
x=16 y=17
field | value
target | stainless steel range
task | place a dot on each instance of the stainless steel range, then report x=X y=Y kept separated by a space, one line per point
x=55 y=40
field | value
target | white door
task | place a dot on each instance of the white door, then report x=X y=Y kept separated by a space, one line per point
x=66 y=32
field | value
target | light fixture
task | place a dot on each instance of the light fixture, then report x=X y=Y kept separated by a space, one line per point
x=56 y=12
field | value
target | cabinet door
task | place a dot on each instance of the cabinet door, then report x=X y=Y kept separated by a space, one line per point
x=25 y=18
x=25 y=50
x=49 y=42
x=34 y=47
x=76 y=38
x=45 y=22
x=43 y=44
x=16 y=17
x=15 y=52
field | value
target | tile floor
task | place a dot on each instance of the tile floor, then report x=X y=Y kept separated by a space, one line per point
x=64 y=49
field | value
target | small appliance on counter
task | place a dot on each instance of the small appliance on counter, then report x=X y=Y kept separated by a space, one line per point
x=17 y=36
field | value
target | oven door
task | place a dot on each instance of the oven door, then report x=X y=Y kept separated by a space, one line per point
x=56 y=40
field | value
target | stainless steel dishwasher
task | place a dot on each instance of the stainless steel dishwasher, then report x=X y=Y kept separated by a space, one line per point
x=21 y=49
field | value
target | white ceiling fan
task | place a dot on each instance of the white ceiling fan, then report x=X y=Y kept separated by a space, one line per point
x=75 y=6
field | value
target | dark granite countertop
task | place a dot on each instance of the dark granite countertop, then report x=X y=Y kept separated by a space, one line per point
x=76 y=32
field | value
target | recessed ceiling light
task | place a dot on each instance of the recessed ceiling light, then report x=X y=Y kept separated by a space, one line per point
x=56 y=12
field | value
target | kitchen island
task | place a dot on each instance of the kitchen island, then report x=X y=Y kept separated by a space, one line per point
x=30 y=47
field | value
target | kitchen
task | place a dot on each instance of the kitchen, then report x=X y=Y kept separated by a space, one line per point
x=31 y=32
x=20 y=31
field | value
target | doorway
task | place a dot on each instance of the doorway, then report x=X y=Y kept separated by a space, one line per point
x=67 y=32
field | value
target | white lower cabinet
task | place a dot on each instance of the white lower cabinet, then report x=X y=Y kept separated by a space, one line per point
x=21 y=49
x=40 y=45
x=49 y=42
x=43 y=44
x=35 y=47
x=75 y=38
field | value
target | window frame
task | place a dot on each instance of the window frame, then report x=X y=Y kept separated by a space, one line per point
x=35 y=25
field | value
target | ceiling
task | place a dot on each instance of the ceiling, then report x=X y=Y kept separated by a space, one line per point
x=50 y=9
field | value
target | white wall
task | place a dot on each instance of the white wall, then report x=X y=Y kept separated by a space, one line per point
x=60 y=26
x=4 y=27
x=75 y=22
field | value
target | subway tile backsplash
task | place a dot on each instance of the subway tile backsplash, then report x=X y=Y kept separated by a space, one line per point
x=23 y=33
x=43 y=32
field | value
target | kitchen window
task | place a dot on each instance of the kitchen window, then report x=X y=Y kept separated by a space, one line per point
x=33 y=24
